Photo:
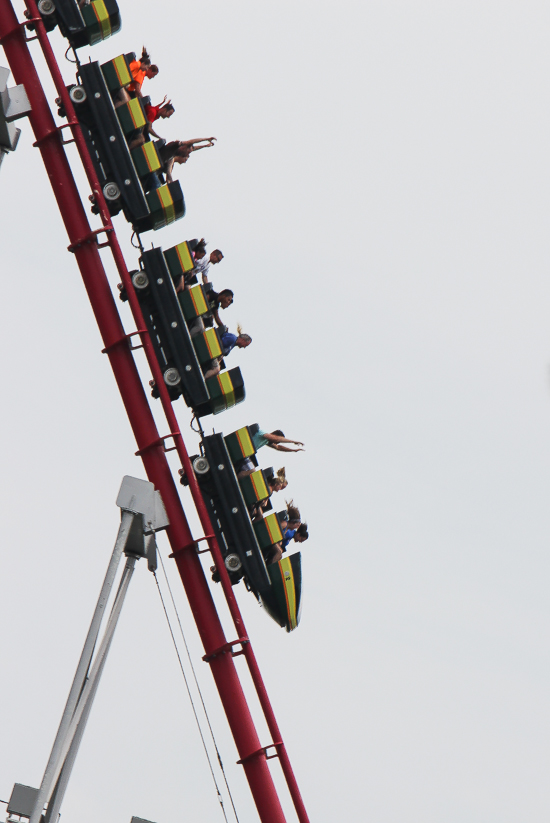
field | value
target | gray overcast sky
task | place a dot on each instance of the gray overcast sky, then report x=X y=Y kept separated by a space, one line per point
x=379 y=190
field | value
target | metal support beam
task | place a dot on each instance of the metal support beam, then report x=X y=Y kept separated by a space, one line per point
x=142 y=511
x=55 y=761
x=77 y=726
x=14 y=104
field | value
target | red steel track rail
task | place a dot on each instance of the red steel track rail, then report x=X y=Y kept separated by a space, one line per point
x=151 y=446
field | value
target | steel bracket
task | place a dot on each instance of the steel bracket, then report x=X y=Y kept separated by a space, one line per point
x=57 y=129
x=20 y=25
x=193 y=545
x=228 y=647
x=263 y=751
x=160 y=441
x=88 y=238
x=126 y=337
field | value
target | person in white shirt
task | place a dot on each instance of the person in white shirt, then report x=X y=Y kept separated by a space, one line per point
x=203 y=260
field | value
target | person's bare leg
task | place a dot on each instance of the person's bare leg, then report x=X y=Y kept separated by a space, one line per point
x=197 y=328
x=212 y=372
x=245 y=472
x=122 y=98
x=277 y=554
x=137 y=141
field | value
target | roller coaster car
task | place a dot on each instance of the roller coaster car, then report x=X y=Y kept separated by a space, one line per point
x=179 y=353
x=82 y=25
x=243 y=542
x=107 y=130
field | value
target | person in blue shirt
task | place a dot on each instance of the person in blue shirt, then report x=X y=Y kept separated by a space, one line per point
x=299 y=535
x=229 y=342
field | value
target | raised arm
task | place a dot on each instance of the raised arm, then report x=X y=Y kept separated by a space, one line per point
x=206 y=146
x=276 y=438
x=209 y=140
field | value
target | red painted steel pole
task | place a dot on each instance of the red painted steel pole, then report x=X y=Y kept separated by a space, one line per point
x=150 y=446
x=173 y=424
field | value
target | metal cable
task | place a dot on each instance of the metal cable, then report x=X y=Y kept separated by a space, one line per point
x=220 y=798
x=199 y=689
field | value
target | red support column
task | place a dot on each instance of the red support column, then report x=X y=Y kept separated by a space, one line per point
x=137 y=408
x=172 y=421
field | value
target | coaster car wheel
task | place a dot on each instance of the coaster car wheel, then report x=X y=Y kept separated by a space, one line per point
x=201 y=466
x=141 y=281
x=46 y=7
x=78 y=94
x=172 y=377
x=111 y=191
x=233 y=562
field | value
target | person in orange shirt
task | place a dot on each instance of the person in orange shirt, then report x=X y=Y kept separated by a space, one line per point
x=141 y=69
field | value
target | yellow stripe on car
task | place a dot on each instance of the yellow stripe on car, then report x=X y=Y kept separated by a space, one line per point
x=259 y=484
x=136 y=113
x=102 y=15
x=198 y=300
x=273 y=528
x=151 y=157
x=245 y=442
x=121 y=69
x=285 y=568
x=167 y=203
x=184 y=256
x=226 y=386
x=212 y=344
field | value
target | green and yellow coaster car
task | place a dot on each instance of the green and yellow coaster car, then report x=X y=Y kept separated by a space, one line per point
x=128 y=178
x=244 y=543
x=83 y=24
x=182 y=356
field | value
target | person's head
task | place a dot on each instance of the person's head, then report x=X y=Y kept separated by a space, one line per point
x=243 y=340
x=301 y=533
x=167 y=110
x=226 y=298
x=216 y=256
x=145 y=59
x=151 y=71
x=279 y=482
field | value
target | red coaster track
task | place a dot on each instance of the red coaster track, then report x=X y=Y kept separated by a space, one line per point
x=151 y=446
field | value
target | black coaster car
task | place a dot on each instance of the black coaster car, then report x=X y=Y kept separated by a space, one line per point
x=243 y=543
x=123 y=174
x=178 y=352
x=82 y=25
